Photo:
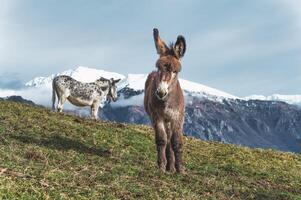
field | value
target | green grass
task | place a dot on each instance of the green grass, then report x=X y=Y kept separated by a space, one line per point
x=45 y=155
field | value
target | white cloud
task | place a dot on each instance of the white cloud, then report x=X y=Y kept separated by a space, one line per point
x=133 y=101
x=42 y=96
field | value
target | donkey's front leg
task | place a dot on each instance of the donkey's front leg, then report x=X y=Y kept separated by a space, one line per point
x=161 y=141
x=94 y=110
x=177 y=143
x=170 y=166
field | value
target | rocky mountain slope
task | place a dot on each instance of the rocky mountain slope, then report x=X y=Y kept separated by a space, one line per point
x=253 y=123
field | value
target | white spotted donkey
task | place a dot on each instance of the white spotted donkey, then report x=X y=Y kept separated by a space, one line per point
x=83 y=94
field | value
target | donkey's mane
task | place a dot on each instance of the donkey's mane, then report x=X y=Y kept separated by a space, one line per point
x=103 y=79
x=171 y=49
x=171 y=44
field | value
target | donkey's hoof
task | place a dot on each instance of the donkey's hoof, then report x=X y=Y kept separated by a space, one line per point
x=162 y=170
x=171 y=170
x=182 y=171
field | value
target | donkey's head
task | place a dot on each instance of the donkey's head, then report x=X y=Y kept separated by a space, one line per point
x=168 y=64
x=112 y=94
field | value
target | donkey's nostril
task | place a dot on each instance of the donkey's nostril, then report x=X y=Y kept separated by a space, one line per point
x=161 y=94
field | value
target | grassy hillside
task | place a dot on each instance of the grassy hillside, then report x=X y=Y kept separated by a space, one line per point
x=45 y=155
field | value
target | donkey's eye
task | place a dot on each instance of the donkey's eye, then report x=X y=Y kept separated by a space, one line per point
x=174 y=72
x=167 y=67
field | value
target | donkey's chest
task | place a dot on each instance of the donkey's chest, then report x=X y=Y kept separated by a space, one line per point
x=170 y=113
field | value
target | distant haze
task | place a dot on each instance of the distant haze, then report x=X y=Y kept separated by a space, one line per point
x=240 y=47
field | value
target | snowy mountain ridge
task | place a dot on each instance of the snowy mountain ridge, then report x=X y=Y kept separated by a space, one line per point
x=133 y=81
x=82 y=74
x=290 y=99
x=39 y=88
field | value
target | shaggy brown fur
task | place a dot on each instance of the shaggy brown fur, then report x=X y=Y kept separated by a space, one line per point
x=164 y=103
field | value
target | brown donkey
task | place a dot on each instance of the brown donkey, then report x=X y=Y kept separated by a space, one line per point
x=164 y=103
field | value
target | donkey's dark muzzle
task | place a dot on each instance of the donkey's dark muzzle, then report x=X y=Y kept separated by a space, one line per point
x=161 y=94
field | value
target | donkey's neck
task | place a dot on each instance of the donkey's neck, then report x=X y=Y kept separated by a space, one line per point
x=104 y=86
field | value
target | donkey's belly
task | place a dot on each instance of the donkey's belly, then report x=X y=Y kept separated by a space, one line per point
x=79 y=101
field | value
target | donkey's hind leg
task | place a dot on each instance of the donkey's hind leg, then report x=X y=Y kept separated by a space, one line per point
x=61 y=101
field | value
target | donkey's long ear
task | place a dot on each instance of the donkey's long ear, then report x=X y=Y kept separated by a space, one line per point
x=180 y=47
x=116 y=81
x=161 y=47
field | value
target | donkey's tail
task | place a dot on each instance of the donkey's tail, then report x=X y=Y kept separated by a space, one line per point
x=53 y=96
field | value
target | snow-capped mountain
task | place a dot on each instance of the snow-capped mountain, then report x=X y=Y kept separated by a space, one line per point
x=132 y=81
x=290 y=99
x=211 y=114
x=82 y=74
x=136 y=82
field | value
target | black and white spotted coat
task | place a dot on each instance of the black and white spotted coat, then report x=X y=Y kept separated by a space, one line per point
x=83 y=94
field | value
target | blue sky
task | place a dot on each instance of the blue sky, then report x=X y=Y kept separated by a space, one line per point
x=241 y=47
